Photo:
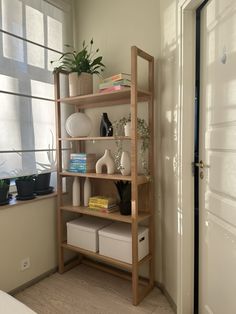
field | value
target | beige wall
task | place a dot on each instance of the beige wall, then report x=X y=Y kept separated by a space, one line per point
x=115 y=27
x=27 y=230
x=169 y=134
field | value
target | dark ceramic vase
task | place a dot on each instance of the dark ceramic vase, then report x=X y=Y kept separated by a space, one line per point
x=124 y=190
x=105 y=126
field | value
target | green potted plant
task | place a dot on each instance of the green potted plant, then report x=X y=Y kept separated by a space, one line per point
x=4 y=189
x=25 y=187
x=81 y=65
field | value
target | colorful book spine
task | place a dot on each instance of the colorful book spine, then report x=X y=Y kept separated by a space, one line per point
x=82 y=163
x=124 y=82
x=117 y=77
x=102 y=200
x=112 y=89
x=98 y=205
x=104 y=210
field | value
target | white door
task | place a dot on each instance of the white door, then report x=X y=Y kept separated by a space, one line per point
x=217 y=272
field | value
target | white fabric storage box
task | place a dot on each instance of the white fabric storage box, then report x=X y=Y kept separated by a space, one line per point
x=116 y=241
x=83 y=232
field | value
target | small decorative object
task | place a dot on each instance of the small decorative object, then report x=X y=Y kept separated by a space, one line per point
x=144 y=135
x=78 y=124
x=127 y=128
x=4 y=189
x=87 y=191
x=78 y=64
x=41 y=184
x=25 y=187
x=106 y=160
x=76 y=192
x=125 y=168
x=106 y=128
x=124 y=190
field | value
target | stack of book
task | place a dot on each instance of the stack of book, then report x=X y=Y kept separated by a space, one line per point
x=82 y=162
x=115 y=82
x=103 y=204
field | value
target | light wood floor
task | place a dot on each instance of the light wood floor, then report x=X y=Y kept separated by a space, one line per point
x=87 y=290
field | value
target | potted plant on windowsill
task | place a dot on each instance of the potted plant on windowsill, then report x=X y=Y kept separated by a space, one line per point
x=81 y=66
x=4 y=189
x=42 y=183
x=25 y=187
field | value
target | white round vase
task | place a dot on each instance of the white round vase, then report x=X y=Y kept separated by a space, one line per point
x=78 y=124
x=106 y=160
x=125 y=164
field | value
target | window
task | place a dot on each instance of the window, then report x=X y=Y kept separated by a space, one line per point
x=32 y=33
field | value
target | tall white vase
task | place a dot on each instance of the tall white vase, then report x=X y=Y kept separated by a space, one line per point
x=87 y=191
x=106 y=160
x=76 y=192
x=125 y=163
x=127 y=128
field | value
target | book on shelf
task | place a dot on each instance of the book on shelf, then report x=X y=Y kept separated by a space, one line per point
x=105 y=210
x=123 y=82
x=82 y=156
x=104 y=201
x=112 y=89
x=82 y=163
x=117 y=77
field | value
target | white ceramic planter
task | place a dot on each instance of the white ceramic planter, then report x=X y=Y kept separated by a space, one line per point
x=127 y=129
x=80 y=84
x=125 y=164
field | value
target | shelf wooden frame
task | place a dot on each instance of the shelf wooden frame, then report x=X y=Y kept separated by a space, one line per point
x=141 y=179
x=116 y=216
x=131 y=96
x=96 y=100
x=103 y=258
x=97 y=138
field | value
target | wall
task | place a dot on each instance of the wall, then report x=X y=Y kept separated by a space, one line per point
x=115 y=26
x=169 y=134
x=27 y=230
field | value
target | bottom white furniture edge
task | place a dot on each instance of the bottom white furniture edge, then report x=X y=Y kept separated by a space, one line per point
x=9 y=305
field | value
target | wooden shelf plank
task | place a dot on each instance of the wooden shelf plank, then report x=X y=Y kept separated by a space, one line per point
x=112 y=216
x=105 y=99
x=96 y=138
x=141 y=179
x=98 y=256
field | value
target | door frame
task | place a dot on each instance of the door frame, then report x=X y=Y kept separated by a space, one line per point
x=186 y=97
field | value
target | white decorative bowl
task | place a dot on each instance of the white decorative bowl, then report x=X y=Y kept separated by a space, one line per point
x=78 y=124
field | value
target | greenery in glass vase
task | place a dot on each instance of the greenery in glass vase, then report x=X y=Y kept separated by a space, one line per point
x=143 y=133
x=83 y=61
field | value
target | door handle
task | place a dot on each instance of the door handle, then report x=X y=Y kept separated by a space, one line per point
x=201 y=165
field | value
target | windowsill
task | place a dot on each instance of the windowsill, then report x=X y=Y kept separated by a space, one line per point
x=15 y=202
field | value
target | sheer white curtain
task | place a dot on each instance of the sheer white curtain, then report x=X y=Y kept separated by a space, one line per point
x=32 y=33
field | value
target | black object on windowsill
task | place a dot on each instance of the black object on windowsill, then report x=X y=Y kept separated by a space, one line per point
x=106 y=128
